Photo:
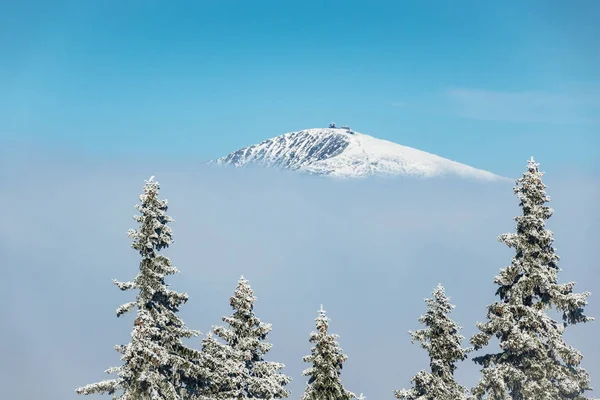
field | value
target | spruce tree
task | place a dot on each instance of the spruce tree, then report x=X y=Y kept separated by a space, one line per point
x=156 y=364
x=238 y=366
x=534 y=361
x=442 y=341
x=327 y=358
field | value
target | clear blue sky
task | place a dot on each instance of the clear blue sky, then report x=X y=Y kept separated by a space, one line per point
x=487 y=83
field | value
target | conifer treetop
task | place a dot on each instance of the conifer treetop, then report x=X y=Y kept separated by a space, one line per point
x=326 y=358
x=245 y=331
x=442 y=341
x=155 y=363
x=250 y=375
x=153 y=234
x=441 y=338
x=322 y=321
x=534 y=360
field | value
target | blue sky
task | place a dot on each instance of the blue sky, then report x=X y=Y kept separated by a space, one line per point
x=487 y=83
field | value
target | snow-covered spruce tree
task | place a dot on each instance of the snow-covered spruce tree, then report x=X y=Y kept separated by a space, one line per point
x=238 y=368
x=534 y=361
x=221 y=371
x=442 y=341
x=327 y=358
x=156 y=364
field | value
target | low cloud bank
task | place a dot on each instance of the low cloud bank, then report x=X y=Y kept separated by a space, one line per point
x=369 y=250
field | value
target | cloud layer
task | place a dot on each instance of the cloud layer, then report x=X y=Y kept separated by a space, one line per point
x=370 y=251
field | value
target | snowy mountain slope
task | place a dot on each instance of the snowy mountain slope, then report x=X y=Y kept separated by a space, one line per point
x=339 y=152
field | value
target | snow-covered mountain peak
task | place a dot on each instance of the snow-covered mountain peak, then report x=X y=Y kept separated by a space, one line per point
x=341 y=152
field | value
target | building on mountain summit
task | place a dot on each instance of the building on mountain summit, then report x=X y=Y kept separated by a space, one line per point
x=347 y=128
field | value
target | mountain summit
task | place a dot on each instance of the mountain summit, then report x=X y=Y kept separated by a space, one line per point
x=343 y=153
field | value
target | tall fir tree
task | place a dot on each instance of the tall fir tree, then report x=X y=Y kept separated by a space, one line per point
x=534 y=361
x=156 y=363
x=442 y=341
x=238 y=367
x=326 y=358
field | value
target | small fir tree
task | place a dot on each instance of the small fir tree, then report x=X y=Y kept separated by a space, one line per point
x=442 y=341
x=239 y=369
x=326 y=358
x=156 y=364
x=534 y=361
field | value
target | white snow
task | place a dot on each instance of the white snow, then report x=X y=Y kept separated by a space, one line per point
x=314 y=151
